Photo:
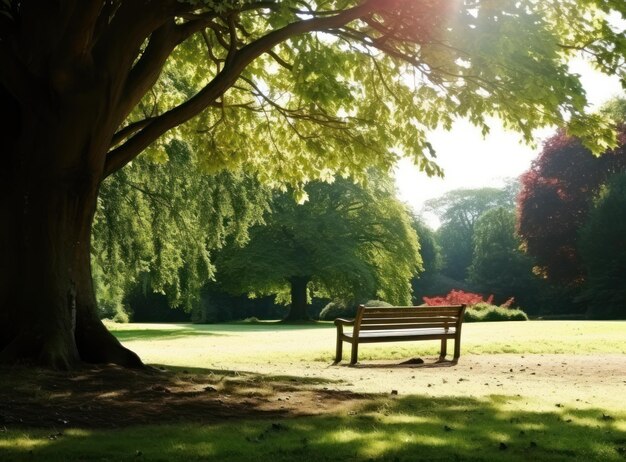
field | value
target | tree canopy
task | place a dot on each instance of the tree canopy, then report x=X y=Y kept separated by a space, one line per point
x=346 y=242
x=160 y=224
x=374 y=76
x=294 y=90
x=284 y=69
x=557 y=194
x=603 y=252
x=499 y=267
x=458 y=211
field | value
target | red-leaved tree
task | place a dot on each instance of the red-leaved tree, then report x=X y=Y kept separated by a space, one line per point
x=555 y=199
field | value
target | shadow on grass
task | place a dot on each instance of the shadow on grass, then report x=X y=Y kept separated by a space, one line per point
x=273 y=326
x=160 y=334
x=112 y=397
x=251 y=376
x=412 y=428
x=190 y=330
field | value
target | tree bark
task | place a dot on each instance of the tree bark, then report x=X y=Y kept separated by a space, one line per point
x=48 y=198
x=298 y=308
x=48 y=308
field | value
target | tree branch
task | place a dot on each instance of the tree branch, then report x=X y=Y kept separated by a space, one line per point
x=232 y=45
x=120 y=156
x=207 y=41
x=147 y=70
x=279 y=60
x=119 y=45
x=129 y=130
x=318 y=118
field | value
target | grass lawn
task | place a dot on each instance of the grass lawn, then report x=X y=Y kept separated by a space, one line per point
x=540 y=390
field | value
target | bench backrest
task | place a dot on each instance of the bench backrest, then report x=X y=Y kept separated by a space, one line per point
x=408 y=317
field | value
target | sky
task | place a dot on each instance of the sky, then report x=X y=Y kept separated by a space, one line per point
x=471 y=161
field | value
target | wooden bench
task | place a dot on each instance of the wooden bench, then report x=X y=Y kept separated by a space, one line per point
x=397 y=324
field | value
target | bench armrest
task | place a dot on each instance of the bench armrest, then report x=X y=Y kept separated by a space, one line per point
x=344 y=322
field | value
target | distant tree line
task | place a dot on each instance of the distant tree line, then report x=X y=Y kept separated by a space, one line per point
x=476 y=249
x=554 y=240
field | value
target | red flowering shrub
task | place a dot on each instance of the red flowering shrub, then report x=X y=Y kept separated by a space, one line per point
x=479 y=309
x=457 y=297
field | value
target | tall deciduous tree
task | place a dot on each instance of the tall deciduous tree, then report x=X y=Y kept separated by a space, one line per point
x=603 y=250
x=458 y=211
x=347 y=241
x=557 y=194
x=429 y=250
x=294 y=89
x=499 y=267
x=431 y=260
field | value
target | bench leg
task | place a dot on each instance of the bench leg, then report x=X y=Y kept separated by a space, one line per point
x=457 y=349
x=444 y=349
x=339 y=352
x=355 y=353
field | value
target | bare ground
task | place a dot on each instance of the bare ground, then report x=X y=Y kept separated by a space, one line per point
x=582 y=377
x=111 y=397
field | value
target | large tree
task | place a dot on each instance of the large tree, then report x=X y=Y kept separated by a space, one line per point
x=431 y=260
x=348 y=241
x=603 y=253
x=554 y=202
x=294 y=89
x=458 y=211
x=499 y=267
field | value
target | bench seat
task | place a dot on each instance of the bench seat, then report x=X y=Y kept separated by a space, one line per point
x=402 y=334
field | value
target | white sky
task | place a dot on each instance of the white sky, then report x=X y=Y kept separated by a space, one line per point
x=471 y=161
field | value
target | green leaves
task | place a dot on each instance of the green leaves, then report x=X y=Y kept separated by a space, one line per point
x=345 y=98
x=162 y=222
x=458 y=211
x=603 y=252
x=352 y=242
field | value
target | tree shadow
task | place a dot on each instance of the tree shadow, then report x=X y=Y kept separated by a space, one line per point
x=247 y=375
x=160 y=334
x=271 y=326
x=411 y=428
x=113 y=397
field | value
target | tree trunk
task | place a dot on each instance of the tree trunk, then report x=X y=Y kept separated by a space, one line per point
x=48 y=199
x=297 y=310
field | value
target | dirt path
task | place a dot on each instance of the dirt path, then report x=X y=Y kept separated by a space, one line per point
x=111 y=397
x=560 y=377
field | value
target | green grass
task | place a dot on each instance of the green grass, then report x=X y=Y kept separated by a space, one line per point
x=130 y=335
x=404 y=429
x=194 y=345
x=439 y=414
